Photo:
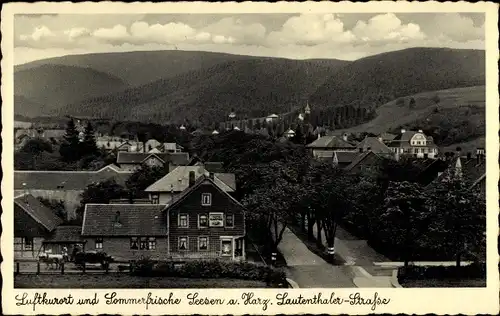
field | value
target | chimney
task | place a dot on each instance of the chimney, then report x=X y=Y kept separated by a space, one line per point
x=344 y=137
x=403 y=131
x=117 y=217
x=420 y=131
x=361 y=149
x=469 y=156
x=211 y=175
x=192 y=178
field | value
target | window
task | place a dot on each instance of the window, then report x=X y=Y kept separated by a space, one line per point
x=152 y=243
x=98 y=243
x=183 y=244
x=216 y=220
x=155 y=199
x=183 y=220
x=229 y=220
x=134 y=243
x=202 y=243
x=226 y=247
x=28 y=243
x=202 y=221
x=206 y=199
x=144 y=243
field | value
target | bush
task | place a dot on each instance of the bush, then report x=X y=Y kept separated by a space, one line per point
x=472 y=271
x=210 y=269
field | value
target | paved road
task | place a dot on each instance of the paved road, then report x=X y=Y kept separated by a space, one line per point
x=309 y=270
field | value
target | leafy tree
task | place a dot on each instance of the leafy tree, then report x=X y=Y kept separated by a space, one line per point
x=142 y=178
x=56 y=205
x=458 y=217
x=36 y=146
x=274 y=201
x=405 y=217
x=100 y=192
x=70 y=148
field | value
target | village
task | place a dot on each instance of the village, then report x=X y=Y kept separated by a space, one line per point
x=274 y=192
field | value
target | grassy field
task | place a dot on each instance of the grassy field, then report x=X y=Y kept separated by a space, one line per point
x=127 y=281
x=392 y=115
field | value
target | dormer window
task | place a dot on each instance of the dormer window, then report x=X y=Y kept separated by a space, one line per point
x=206 y=199
x=155 y=198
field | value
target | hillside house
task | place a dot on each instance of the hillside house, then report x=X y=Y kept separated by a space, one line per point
x=202 y=222
x=375 y=145
x=413 y=144
x=151 y=144
x=365 y=161
x=66 y=186
x=177 y=181
x=342 y=159
x=325 y=146
x=132 y=161
x=172 y=148
x=271 y=118
x=33 y=222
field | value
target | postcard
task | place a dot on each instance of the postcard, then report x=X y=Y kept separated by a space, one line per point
x=250 y=158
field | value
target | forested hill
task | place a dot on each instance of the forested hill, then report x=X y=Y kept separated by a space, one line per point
x=252 y=88
x=378 y=79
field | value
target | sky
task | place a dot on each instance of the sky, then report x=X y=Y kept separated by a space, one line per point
x=346 y=36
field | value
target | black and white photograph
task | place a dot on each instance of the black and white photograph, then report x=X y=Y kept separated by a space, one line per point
x=249 y=150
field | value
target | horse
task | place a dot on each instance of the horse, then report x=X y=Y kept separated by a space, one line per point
x=51 y=260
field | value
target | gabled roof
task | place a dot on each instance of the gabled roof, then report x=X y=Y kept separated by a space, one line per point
x=65 y=234
x=472 y=170
x=387 y=136
x=179 y=158
x=403 y=139
x=201 y=180
x=66 y=180
x=360 y=158
x=39 y=212
x=374 y=144
x=330 y=142
x=133 y=220
x=178 y=180
x=344 y=157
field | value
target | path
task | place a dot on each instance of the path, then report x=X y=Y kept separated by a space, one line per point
x=309 y=270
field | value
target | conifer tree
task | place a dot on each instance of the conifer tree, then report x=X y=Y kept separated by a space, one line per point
x=88 y=145
x=70 y=148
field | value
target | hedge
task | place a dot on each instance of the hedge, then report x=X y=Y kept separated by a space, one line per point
x=210 y=269
x=472 y=271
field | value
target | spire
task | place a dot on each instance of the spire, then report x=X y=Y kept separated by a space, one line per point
x=307 y=110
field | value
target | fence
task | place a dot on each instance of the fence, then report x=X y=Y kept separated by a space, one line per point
x=37 y=267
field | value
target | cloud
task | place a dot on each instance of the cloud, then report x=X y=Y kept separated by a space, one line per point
x=77 y=32
x=39 y=33
x=237 y=30
x=311 y=29
x=116 y=33
x=456 y=27
x=387 y=27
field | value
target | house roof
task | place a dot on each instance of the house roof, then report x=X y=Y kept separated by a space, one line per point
x=330 y=142
x=133 y=220
x=359 y=159
x=178 y=180
x=171 y=146
x=39 y=212
x=65 y=234
x=138 y=158
x=346 y=156
x=403 y=140
x=323 y=153
x=201 y=180
x=374 y=144
x=387 y=136
x=473 y=170
x=65 y=180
